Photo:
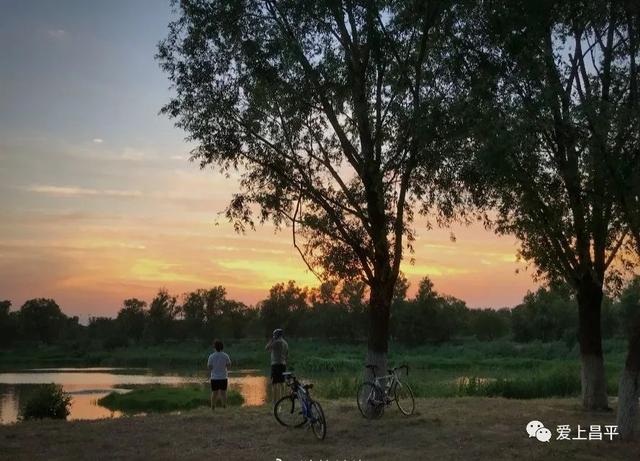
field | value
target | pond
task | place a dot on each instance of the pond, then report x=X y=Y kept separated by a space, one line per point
x=87 y=385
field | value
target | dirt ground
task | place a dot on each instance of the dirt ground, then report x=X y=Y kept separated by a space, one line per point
x=441 y=429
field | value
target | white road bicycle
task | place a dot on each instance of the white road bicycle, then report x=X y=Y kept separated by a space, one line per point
x=374 y=396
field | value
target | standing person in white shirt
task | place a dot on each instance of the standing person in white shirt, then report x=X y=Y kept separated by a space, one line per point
x=219 y=362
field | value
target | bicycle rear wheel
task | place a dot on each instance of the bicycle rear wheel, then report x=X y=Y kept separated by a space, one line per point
x=288 y=411
x=318 y=423
x=370 y=400
x=404 y=398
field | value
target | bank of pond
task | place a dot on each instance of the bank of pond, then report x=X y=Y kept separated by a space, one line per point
x=487 y=369
x=169 y=393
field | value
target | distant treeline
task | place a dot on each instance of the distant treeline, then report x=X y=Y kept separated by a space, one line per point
x=331 y=311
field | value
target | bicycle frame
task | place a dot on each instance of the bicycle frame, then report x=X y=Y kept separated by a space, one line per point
x=310 y=410
x=388 y=383
x=379 y=391
x=387 y=388
x=303 y=395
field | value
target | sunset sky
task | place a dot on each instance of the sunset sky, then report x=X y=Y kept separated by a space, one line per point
x=98 y=201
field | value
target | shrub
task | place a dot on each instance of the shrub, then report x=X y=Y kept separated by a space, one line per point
x=48 y=401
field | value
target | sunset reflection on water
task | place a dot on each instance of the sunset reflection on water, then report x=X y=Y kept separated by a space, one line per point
x=87 y=386
x=252 y=388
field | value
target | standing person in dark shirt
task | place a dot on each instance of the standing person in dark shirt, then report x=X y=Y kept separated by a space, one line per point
x=279 y=354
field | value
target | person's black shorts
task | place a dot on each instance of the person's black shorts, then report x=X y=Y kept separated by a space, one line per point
x=276 y=373
x=219 y=384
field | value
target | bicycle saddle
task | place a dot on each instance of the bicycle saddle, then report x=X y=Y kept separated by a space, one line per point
x=308 y=386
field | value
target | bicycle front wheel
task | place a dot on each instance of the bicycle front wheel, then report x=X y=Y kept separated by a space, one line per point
x=318 y=423
x=288 y=411
x=404 y=399
x=370 y=400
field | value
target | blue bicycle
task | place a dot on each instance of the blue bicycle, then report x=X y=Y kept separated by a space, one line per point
x=298 y=409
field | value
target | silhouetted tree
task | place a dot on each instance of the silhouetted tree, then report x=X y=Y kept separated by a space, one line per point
x=284 y=308
x=548 y=314
x=235 y=317
x=540 y=70
x=41 y=320
x=194 y=313
x=8 y=324
x=162 y=312
x=334 y=113
x=215 y=299
x=489 y=324
x=613 y=121
x=429 y=317
x=104 y=330
x=327 y=317
x=628 y=305
x=131 y=319
x=629 y=388
x=400 y=289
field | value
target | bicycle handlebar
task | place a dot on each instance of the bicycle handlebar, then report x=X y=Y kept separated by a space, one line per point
x=405 y=366
x=393 y=370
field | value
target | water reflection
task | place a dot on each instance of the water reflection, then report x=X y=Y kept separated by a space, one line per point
x=252 y=388
x=8 y=404
x=85 y=406
x=87 y=385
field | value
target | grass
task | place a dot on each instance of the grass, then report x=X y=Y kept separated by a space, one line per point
x=560 y=382
x=163 y=398
x=498 y=368
x=473 y=428
x=316 y=355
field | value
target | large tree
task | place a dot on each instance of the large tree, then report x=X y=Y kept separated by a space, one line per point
x=162 y=312
x=42 y=320
x=131 y=318
x=612 y=114
x=540 y=76
x=333 y=112
x=8 y=323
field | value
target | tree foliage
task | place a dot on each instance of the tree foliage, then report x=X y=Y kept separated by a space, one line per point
x=540 y=73
x=41 y=319
x=131 y=318
x=339 y=312
x=429 y=317
x=553 y=92
x=336 y=115
x=162 y=311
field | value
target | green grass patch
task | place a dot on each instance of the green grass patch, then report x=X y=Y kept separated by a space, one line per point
x=163 y=399
x=315 y=355
x=559 y=382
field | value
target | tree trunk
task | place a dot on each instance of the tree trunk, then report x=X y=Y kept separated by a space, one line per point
x=594 y=383
x=629 y=386
x=379 y=314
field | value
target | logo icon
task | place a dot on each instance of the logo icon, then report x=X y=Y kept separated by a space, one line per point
x=536 y=429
